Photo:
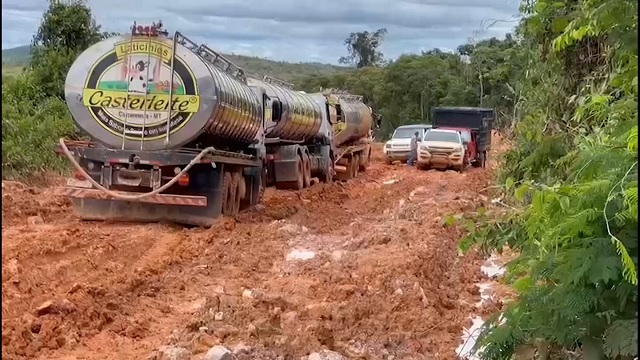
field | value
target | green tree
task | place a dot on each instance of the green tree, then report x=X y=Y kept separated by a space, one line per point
x=67 y=28
x=363 y=48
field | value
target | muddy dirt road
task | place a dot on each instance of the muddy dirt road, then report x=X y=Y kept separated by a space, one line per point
x=364 y=268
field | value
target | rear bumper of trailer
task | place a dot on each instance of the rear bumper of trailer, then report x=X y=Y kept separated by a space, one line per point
x=82 y=189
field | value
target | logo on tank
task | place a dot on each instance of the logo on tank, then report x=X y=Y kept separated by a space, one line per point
x=129 y=89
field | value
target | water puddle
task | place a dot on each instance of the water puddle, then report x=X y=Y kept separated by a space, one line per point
x=391 y=181
x=491 y=268
x=470 y=336
x=300 y=254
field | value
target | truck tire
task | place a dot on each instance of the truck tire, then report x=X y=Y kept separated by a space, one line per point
x=241 y=190
x=306 y=165
x=232 y=199
x=365 y=159
x=263 y=185
x=327 y=175
x=355 y=165
x=422 y=166
x=226 y=190
x=480 y=161
x=298 y=184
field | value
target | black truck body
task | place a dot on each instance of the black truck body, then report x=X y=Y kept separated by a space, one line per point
x=478 y=120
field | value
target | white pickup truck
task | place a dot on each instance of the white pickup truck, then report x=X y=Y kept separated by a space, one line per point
x=442 y=148
x=398 y=148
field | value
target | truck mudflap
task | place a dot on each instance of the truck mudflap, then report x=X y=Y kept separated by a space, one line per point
x=82 y=189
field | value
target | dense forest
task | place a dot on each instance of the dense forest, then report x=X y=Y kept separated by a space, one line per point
x=565 y=89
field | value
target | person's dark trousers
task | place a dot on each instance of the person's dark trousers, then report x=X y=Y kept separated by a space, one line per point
x=413 y=157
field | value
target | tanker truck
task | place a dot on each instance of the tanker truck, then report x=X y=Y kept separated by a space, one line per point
x=176 y=131
x=322 y=135
x=179 y=133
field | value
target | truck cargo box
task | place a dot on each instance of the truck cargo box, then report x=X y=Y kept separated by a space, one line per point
x=476 y=119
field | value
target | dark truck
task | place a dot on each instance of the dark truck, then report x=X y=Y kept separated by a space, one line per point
x=473 y=123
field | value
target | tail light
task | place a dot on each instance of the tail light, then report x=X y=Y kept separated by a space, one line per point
x=79 y=176
x=183 y=180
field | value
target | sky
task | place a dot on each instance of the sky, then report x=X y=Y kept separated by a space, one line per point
x=290 y=30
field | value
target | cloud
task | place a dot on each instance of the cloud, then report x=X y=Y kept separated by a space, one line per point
x=290 y=30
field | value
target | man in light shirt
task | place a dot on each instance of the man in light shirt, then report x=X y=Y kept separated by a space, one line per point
x=414 y=149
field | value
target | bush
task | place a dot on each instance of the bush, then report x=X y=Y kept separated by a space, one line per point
x=31 y=126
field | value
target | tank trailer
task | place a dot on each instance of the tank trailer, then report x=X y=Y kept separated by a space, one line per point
x=180 y=133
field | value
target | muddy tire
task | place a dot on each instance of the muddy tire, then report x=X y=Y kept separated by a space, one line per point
x=480 y=161
x=422 y=167
x=327 y=174
x=241 y=191
x=365 y=159
x=294 y=185
x=355 y=165
x=306 y=165
x=232 y=198
x=226 y=192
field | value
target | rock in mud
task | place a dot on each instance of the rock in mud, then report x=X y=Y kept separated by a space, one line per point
x=47 y=307
x=218 y=352
x=173 y=353
x=326 y=355
x=241 y=349
x=35 y=220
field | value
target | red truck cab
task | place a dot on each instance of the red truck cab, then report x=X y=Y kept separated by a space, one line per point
x=474 y=124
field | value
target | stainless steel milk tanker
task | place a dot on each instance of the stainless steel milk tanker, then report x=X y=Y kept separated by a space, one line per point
x=119 y=92
x=356 y=120
x=301 y=115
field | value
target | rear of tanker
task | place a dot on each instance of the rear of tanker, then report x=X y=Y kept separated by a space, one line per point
x=176 y=132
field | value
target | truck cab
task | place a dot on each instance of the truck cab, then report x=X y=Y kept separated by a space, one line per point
x=398 y=148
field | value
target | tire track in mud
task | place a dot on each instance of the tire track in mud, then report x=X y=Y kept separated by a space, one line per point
x=384 y=278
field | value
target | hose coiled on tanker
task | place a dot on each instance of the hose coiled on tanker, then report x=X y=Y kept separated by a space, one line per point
x=132 y=197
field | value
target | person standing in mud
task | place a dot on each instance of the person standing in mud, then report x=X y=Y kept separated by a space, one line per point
x=413 y=156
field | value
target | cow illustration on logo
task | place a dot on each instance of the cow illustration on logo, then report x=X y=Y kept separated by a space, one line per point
x=138 y=73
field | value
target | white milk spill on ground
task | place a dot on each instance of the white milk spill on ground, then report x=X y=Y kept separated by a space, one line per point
x=470 y=335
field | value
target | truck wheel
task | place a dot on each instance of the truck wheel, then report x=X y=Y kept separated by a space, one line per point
x=365 y=159
x=263 y=185
x=241 y=191
x=306 y=165
x=298 y=184
x=422 y=166
x=232 y=199
x=355 y=165
x=480 y=161
x=226 y=190
x=327 y=174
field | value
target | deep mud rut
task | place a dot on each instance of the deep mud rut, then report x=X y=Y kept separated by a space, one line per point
x=364 y=268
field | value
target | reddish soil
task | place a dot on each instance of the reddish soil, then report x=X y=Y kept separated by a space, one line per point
x=385 y=277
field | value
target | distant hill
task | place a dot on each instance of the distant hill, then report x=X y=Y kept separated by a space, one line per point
x=19 y=56
x=15 y=56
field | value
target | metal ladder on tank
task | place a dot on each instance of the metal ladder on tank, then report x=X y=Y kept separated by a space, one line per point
x=271 y=80
x=212 y=57
x=130 y=93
